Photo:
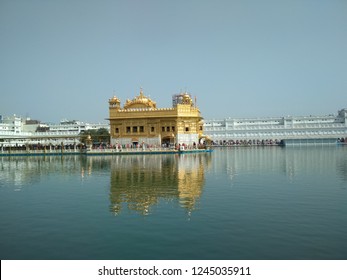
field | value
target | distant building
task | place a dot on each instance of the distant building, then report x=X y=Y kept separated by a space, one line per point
x=10 y=125
x=15 y=131
x=141 y=122
x=76 y=127
x=232 y=130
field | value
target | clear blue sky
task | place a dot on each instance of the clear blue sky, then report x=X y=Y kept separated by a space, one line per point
x=241 y=58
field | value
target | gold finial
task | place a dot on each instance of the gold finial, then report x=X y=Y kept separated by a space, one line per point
x=141 y=91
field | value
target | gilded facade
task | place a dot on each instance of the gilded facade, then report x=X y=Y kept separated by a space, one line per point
x=140 y=122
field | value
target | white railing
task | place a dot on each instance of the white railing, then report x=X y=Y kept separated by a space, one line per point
x=14 y=135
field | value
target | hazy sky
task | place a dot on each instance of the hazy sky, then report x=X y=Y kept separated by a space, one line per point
x=240 y=58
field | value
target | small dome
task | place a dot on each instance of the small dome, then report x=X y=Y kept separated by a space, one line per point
x=187 y=99
x=114 y=102
x=114 y=99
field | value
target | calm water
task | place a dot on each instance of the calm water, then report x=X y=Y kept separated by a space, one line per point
x=236 y=203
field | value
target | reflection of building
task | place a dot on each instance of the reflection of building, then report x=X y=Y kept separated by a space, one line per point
x=190 y=175
x=276 y=161
x=24 y=170
x=140 y=121
x=141 y=181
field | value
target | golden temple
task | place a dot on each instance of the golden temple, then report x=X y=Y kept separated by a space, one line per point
x=140 y=122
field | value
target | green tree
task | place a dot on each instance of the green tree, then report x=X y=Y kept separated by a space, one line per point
x=100 y=135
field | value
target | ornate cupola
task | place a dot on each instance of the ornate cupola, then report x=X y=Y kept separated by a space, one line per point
x=140 y=101
x=114 y=102
x=187 y=99
x=182 y=99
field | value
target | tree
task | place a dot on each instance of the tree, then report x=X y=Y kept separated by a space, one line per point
x=100 y=135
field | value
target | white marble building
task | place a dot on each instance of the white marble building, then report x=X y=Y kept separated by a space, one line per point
x=17 y=131
x=232 y=130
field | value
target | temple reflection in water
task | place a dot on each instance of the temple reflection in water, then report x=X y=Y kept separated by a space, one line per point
x=140 y=182
x=137 y=182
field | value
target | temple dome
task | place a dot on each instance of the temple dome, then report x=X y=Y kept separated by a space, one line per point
x=140 y=101
x=187 y=99
x=114 y=102
x=114 y=99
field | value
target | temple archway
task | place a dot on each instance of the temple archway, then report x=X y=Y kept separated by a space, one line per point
x=204 y=139
x=168 y=141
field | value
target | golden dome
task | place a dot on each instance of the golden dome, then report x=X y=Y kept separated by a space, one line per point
x=187 y=99
x=114 y=99
x=140 y=101
x=114 y=102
